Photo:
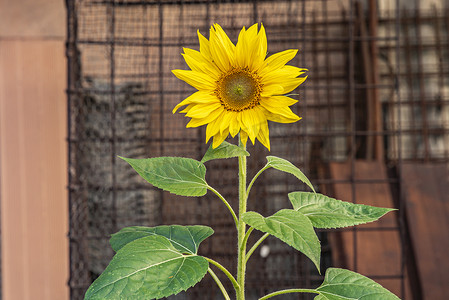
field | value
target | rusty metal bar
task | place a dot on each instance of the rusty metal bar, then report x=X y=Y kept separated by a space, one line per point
x=352 y=116
x=408 y=73
x=367 y=64
x=422 y=89
x=377 y=110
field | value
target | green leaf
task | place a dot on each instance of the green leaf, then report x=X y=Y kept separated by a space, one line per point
x=326 y=212
x=291 y=227
x=344 y=284
x=177 y=175
x=148 y=268
x=286 y=166
x=186 y=239
x=225 y=150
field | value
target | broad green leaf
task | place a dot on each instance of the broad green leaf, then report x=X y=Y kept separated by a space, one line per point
x=342 y=284
x=291 y=227
x=225 y=150
x=286 y=166
x=326 y=212
x=177 y=175
x=186 y=239
x=148 y=268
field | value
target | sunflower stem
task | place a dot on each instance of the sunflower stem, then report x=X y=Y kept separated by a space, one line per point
x=241 y=228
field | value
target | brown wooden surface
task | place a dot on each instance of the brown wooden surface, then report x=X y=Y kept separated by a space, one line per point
x=33 y=168
x=426 y=195
x=32 y=18
x=378 y=252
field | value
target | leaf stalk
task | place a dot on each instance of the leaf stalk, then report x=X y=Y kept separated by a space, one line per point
x=225 y=271
x=281 y=292
x=254 y=247
x=254 y=179
x=226 y=203
x=220 y=285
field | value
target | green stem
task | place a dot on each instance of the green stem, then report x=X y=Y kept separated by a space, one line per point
x=220 y=285
x=287 y=292
x=241 y=227
x=225 y=271
x=226 y=203
x=254 y=247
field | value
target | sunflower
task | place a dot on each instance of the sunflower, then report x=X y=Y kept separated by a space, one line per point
x=239 y=88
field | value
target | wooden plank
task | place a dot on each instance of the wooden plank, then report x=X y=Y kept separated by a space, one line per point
x=426 y=194
x=33 y=170
x=32 y=18
x=377 y=252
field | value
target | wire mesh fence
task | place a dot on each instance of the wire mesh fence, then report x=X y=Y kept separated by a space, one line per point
x=378 y=90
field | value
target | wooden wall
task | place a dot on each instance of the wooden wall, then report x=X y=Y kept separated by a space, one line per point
x=33 y=167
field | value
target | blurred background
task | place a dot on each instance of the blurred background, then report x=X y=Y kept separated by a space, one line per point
x=84 y=81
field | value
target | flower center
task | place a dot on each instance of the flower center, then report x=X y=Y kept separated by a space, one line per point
x=239 y=89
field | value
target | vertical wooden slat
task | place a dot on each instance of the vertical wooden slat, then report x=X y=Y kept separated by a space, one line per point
x=425 y=192
x=33 y=169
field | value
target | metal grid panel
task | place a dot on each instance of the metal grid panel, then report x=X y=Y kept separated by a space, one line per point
x=121 y=93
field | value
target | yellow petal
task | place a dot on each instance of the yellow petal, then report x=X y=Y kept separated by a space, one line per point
x=197 y=97
x=186 y=109
x=219 y=138
x=279 y=101
x=200 y=57
x=261 y=52
x=196 y=123
x=193 y=63
x=253 y=47
x=212 y=129
x=285 y=77
x=263 y=42
x=272 y=89
x=221 y=48
x=234 y=124
x=182 y=103
x=204 y=46
x=278 y=60
x=247 y=120
x=203 y=110
x=198 y=80
x=294 y=71
x=243 y=137
x=252 y=118
x=202 y=121
x=225 y=41
x=279 y=75
x=291 y=84
x=240 y=122
x=197 y=64
x=279 y=114
x=263 y=136
x=241 y=50
x=226 y=120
